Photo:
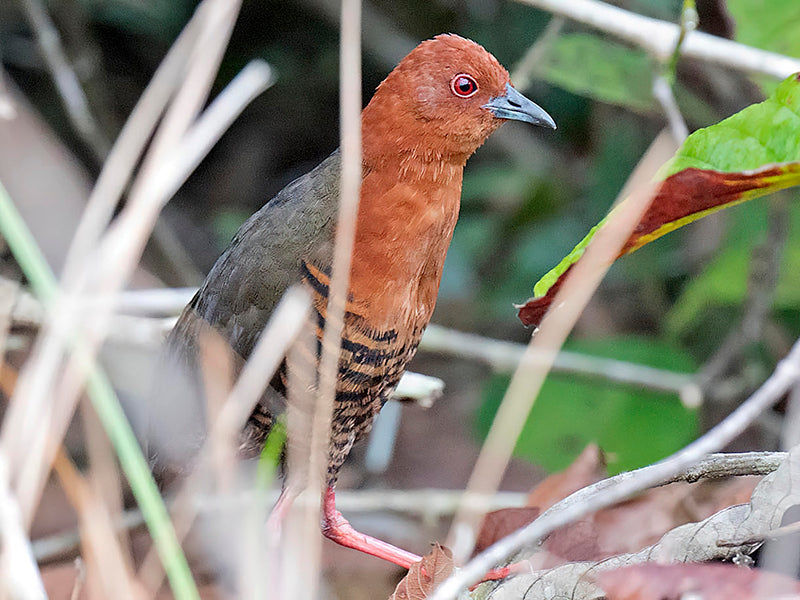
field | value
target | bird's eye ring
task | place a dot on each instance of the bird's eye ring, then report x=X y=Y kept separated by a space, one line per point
x=463 y=85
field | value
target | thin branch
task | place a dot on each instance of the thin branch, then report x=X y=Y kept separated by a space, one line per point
x=382 y=39
x=522 y=73
x=718 y=466
x=108 y=563
x=790 y=436
x=125 y=239
x=420 y=389
x=128 y=148
x=662 y=92
x=66 y=81
x=761 y=285
x=428 y=504
x=659 y=37
x=8 y=109
x=501 y=355
x=328 y=373
x=688 y=24
x=609 y=492
x=780 y=532
x=150 y=302
x=65 y=544
x=215 y=24
x=80 y=579
x=504 y=356
x=350 y=114
x=105 y=479
x=9 y=293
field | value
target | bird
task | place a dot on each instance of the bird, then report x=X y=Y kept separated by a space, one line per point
x=427 y=117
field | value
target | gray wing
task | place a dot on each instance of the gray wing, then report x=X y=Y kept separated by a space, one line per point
x=264 y=259
x=236 y=300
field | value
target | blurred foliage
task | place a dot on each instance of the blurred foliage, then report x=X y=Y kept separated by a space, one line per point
x=159 y=19
x=767 y=24
x=529 y=195
x=600 y=69
x=634 y=428
x=723 y=282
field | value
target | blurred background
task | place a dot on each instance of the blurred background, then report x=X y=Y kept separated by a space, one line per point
x=719 y=297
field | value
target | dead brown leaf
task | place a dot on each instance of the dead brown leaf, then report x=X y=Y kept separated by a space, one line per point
x=709 y=581
x=500 y=523
x=642 y=521
x=423 y=577
x=624 y=528
x=633 y=525
x=588 y=468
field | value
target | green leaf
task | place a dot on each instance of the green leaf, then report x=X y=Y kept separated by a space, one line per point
x=595 y=67
x=634 y=427
x=768 y=24
x=598 y=68
x=759 y=135
x=752 y=153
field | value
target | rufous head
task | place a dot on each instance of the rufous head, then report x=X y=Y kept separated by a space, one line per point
x=442 y=101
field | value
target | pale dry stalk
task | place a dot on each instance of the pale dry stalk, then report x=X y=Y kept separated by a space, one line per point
x=350 y=118
x=545 y=344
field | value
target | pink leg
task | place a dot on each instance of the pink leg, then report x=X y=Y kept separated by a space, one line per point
x=280 y=510
x=336 y=528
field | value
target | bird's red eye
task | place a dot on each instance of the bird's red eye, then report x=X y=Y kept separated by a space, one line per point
x=463 y=85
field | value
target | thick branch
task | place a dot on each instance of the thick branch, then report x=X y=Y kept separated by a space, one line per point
x=659 y=37
x=609 y=492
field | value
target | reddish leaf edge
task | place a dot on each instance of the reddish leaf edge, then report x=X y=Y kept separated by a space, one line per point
x=680 y=199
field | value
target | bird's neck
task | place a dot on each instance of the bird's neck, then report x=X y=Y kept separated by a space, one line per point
x=416 y=168
x=410 y=196
x=407 y=214
x=414 y=149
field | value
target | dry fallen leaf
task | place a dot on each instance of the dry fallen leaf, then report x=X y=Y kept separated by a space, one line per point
x=586 y=469
x=626 y=527
x=499 y=523
x=708 y=581
x=640 y=522
x=423 y=577
x=774 y=496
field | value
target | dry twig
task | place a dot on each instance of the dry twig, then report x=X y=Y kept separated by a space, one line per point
x=66 y=80
x=611 y=491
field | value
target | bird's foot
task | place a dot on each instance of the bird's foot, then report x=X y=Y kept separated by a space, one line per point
x=336 y=528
